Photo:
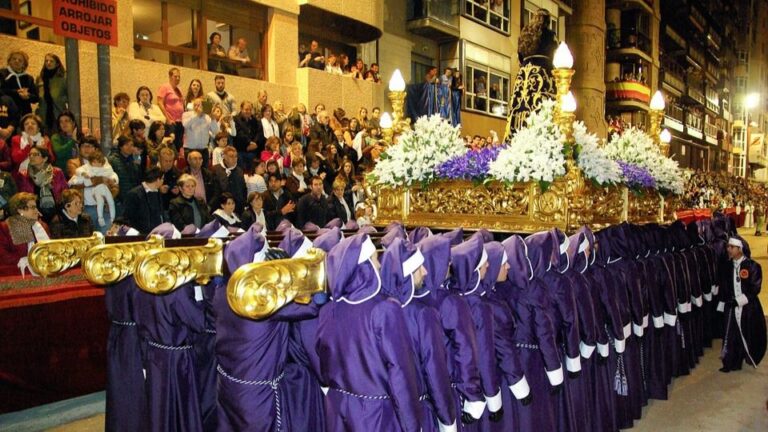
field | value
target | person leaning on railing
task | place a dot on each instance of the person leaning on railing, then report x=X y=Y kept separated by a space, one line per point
x=19 y=232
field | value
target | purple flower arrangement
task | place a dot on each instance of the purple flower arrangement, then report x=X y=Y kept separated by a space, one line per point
x=636 y=177
x=472 y=165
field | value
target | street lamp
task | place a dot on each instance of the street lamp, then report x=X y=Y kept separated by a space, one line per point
x=751 y=101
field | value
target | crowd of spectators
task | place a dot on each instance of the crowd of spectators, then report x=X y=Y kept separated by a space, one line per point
x=175 y=157
x=719 y=190
x=337 y=64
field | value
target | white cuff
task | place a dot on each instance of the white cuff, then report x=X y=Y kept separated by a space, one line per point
x=645 y=321
x=684 y=307
x=555 y=376
x=443 y=428
x=670 y=319
x=520 y=389
x=658 y=322
x=573 y=364
x=494 y=402
x=620 y=345
x=742 y=300
x=698 y=301
x=627 y=330
x=708 y=297
x=586 y=350
x=715 y=289
x=603 y=350
x=325 y=390
x=474 y=408
x=720 y=307
x=638 y=330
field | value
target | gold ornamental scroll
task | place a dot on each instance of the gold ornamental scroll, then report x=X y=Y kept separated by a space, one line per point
x=258 y=290
x=162 y=270
x=110 y=263
x=53 y=257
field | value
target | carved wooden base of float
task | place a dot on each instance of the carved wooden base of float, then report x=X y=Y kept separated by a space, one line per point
x=522 y=208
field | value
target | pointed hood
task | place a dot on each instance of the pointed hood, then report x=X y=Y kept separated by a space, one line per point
x=497 y=257
x=520 y=268
x=126 y=230
x=737 y=240
x=590 y=236
x=437 y=256
x=603 y=248
x=310 y=227
x=368 y=229
x=466 y=260
x=352 y=277
x=694 y=237
x=484 y=234
x=213 y=229
x=419 y=233
x=394 y=225
x=394 y=232
x=578 y=248
x=284 y=225
x=540 y=251
x=456 y=236
x=351 y=225
x=189 y=230
x=398 y=263
x=166 y=231
x=295 y=244
x=328 y=240
x=560 y=260
x=334 y=223
x=248 y=247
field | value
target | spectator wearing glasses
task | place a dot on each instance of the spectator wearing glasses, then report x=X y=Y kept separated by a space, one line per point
x=143 y=109
x=71 y=222
x=44 y=180
x=19 y=232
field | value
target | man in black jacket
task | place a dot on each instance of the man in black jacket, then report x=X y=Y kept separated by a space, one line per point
x=313 y=207
x=249 y=140
x=206 y=187
x=277 y=203
x=230 y=178
x=322 y=131
x=143 y=204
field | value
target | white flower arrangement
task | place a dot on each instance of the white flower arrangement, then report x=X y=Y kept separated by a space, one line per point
x=418 y=152
x=592 y=159
x=535 y=152
x=637 y=147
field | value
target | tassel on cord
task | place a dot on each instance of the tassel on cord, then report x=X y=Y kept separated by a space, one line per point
x=620 y=378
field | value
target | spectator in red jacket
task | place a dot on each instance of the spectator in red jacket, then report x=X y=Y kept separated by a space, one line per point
x=19 y=232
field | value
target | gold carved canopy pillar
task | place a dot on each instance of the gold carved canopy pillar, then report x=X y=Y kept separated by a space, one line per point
x=586 y=38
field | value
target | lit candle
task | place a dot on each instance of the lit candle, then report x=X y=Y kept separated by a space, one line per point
x=397 y=83
x=385 y=121
x=568 y=104
x=665 y=136
x=657 y=102
x=563 y=58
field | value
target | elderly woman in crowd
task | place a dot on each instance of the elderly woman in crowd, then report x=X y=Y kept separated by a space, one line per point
x=71 y=222
x=44 y=180
x=17 y=83
x=185 y=209
x=143 y=109
x=19 y=232
x=31 y=136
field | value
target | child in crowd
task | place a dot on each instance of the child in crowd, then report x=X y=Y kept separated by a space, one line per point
x=97 y=166
x=221 y=143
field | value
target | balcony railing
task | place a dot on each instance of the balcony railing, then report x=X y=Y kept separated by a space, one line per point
x=697 y=17
x=434 y=18
x=697 y=95
x=694 y=124
x=676 y=37
x=674 y=112
x=697 y=56
x=710 y=131
x=618 y=39
x=674 y=80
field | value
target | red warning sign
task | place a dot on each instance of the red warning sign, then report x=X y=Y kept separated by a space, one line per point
x=90 y=20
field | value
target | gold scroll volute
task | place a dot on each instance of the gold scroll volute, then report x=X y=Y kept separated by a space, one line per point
x=110 y=263
x=258 y=290
x=53 y=257
x=160 y=271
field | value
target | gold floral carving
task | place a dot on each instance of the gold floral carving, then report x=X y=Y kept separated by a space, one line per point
x=645 y=207
x=110 y=263
x=53 y=257
x=259 y=290
x=162 y=270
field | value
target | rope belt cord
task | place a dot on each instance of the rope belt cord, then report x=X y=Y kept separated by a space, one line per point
x=124 y=323
x=168 y=347
x=348 y=393
x=210 y=331
x=273 y=384
x=527 y=346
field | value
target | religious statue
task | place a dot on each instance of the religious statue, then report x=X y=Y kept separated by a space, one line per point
x=534 y=82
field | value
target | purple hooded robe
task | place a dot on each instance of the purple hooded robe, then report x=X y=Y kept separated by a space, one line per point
x=398 y=263
x=364 y=347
